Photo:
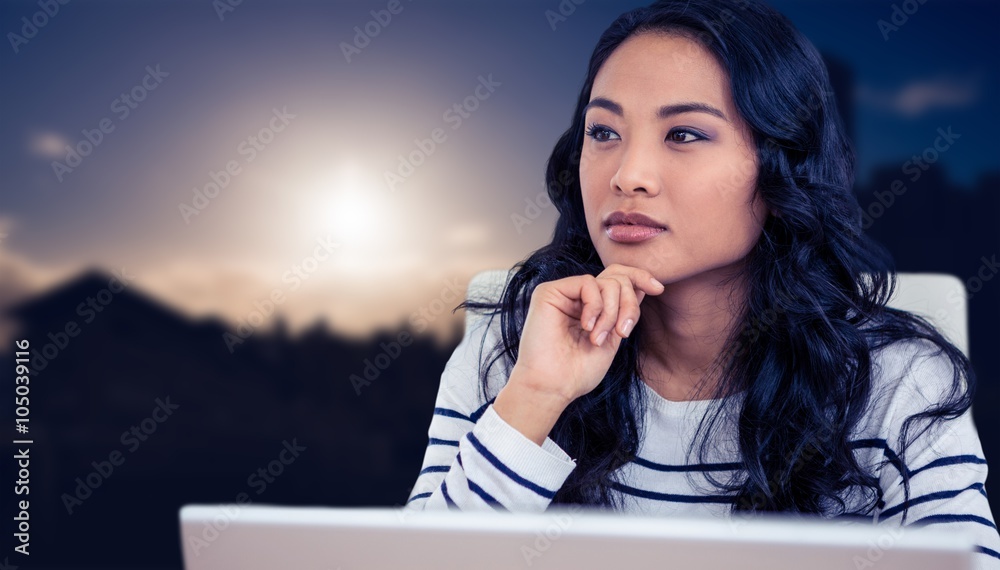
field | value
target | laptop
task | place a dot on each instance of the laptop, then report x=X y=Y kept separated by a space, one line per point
x=262 y=537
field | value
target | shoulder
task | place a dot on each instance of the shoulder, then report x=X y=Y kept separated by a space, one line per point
x=481 y=342
x=908 y=377
x=916 y=369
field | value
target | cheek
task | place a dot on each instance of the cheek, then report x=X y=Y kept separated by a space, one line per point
x=745 y=220
x=593 y=183
x=722 y=208
x=732 y=186
x=734 y=178
x=589 y=170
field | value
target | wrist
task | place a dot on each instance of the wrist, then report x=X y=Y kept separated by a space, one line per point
x=533 y=413
x=526 y=383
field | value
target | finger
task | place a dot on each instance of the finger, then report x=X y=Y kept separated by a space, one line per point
x=628 y=306
x=593 y=303
x=551 y=294
x=610 y=292
x=640 y=278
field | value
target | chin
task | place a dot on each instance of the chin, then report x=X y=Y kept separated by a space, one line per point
x=660 y=271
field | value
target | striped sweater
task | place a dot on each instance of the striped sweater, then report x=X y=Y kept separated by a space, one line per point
x=476 y=461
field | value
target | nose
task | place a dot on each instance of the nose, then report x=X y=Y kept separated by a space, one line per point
x=637 y=171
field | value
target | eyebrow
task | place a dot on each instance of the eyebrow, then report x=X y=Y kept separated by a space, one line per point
x=664 y=112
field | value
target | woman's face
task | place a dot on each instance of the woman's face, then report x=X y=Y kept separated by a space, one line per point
x=664 y=139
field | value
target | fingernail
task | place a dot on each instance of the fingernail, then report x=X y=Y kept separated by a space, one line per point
x=627 y=326
x=655 y=282
x=590 y=323
x=601 y=337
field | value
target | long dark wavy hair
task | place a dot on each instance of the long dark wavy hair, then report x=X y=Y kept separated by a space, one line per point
x=816 y=287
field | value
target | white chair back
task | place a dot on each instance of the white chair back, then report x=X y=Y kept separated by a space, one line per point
x=938 y=297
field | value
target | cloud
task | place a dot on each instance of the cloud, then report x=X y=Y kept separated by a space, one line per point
x=353 y=301
x=21 y=279
x=47 y=144
x=921 y=96
x=468 y=235
x=6 y=225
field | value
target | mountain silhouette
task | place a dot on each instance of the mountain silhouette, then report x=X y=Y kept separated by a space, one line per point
x=234 y=414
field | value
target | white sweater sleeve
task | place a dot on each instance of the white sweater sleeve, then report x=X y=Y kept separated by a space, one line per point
x=946 y=465
x=474 y=459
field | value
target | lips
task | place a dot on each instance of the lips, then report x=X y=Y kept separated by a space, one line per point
x=632 y=219
x=632 y=227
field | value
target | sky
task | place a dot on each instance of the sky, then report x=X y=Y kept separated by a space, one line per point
x=220 y=153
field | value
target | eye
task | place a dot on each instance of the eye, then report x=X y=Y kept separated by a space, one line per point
x=684 y=136
x=600 y=133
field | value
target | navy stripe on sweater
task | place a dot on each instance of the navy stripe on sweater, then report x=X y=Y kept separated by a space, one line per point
x=886 y=450
x=451 y=414
x=474 y=416
x=936 y=519
x=490 y=499
x=892 y=511
x=903 y=470
x=950 y=460
x=670 y=497
x=447 y=497
x=435 y=469
x=419 y=496
x=988 y=551
x=436 y=441
x=499 y=465
x=698 y=467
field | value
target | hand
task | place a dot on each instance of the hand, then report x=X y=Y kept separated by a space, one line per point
x=574 y=327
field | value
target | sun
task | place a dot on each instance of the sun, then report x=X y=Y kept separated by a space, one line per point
x=350 y=204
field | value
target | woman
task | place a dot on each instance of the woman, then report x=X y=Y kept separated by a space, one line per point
x=708 y=330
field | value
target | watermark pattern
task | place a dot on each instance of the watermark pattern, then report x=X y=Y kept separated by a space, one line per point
x=987 y=270
x=122 y=106
x=223 y=7
x=453 y=116
x=22 y=520
x=759 y=324
x=533 y=207
x=562 y=518
x=258 y=480
x=363 y=35
x=420 y=319
x=382 y=361
x=878 y=547
x=726 y=16
x=424 y=316
x=294 y=276
x=898 y=17
x=88 y=310
x=532 y=210
x=31 y=26
x=132 y=439
x=544 y=539
x=915 y=167
x=248 y=148
x=563 y=11
x=807 y=454
x=22 y=485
